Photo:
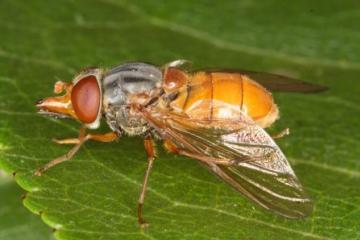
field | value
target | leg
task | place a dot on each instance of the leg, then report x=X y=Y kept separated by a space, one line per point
x=107 y=137
x=83 y=137
x=69 y=155
x=150 y=151
x=281 y=134
x=168 y=145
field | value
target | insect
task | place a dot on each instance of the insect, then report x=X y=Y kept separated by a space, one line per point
x=214 y=116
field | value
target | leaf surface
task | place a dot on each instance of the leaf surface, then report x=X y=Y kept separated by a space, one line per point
x=16 y=222
x=94 y=196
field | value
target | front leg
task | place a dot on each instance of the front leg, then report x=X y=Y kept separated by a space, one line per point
x=82 y=138
x=150 y=151
x=106 y=137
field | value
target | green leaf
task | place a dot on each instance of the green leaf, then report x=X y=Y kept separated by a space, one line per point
x=15 y=221
x=94 y=195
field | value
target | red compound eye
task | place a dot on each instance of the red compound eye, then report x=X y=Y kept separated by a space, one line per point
x=85 y=99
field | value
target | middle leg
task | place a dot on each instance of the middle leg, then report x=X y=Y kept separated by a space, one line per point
x=150 y=151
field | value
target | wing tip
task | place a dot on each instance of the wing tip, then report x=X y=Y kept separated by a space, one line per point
x=299 y=212
x=316 y=88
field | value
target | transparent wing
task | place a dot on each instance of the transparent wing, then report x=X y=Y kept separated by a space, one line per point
x=256 y=166
x=275 y=82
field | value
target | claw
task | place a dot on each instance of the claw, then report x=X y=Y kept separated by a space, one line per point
x=144 y=224
x=38 y=172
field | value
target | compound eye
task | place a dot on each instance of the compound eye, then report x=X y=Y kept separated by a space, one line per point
x=85 y=99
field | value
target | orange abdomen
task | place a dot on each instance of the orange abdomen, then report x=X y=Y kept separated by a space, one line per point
x=222 y=95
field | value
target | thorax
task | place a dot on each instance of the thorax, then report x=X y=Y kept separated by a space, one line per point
x=128 y=84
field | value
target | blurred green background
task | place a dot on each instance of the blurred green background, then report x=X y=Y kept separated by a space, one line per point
x=94 y=196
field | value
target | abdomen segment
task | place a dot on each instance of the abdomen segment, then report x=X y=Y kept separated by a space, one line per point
x=222 y=96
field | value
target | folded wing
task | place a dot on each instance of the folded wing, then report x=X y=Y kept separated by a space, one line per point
x=256 y=166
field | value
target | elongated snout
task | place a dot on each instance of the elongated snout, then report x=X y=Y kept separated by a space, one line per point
x=59 y=106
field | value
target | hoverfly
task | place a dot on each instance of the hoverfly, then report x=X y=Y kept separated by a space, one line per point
x=214 y=116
